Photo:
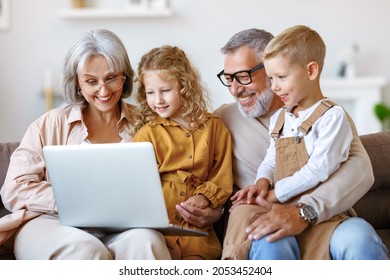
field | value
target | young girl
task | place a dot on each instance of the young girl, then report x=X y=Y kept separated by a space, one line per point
x=192 y=146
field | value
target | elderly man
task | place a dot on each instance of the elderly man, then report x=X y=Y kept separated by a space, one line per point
x=272 y=235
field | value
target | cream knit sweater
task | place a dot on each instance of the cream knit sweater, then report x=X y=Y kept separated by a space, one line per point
x=250 y=139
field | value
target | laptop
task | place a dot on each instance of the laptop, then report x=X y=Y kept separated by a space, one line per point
x=110 y=187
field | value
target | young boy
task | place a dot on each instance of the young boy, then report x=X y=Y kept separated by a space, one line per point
x=311 y=136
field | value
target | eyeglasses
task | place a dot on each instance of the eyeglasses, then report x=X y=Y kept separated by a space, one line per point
x=243 y=77
x=112 y=84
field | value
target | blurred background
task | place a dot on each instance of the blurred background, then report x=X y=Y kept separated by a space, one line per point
x=35 y=35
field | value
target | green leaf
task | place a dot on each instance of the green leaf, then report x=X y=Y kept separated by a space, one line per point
x=382 y=111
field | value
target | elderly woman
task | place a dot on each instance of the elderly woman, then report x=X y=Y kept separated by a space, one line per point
x=97 y=77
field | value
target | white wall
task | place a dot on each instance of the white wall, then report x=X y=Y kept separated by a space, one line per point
x=39 y=38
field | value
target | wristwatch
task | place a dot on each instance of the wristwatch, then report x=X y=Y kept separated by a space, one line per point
x=307 y=212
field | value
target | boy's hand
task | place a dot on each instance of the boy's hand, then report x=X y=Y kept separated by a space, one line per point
x=271 y=197
x=249 y=194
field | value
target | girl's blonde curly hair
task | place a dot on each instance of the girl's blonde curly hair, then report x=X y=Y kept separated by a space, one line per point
x=172 y=64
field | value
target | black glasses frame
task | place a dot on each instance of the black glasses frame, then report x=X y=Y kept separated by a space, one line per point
x=233 y=76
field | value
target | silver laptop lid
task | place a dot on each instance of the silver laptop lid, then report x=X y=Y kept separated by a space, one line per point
x=107 y=185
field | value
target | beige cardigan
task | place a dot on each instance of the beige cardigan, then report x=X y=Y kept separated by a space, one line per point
x=26 y=191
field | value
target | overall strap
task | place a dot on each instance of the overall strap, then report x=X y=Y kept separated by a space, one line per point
x=324 y=106
x=279 y=124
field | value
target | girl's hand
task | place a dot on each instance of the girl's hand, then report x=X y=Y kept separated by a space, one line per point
x=197 y=216
x=198 y=201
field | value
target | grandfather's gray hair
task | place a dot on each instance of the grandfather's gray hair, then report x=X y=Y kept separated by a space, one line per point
x=256 y=39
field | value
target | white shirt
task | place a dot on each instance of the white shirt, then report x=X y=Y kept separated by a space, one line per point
x=327 y=145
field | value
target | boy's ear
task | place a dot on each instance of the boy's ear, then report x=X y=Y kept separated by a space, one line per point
x=313 y=70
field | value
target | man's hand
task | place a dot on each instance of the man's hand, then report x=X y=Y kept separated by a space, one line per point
x=280 y=221
x=197 y=216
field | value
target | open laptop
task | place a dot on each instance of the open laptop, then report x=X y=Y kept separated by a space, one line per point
x=111 y=187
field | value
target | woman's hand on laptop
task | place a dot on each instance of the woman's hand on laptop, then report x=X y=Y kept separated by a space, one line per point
x=197 y=216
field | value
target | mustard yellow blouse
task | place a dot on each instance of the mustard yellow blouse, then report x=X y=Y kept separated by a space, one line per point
x=192 y=162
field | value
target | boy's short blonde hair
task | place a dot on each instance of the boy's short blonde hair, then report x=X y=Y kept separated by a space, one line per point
x=299 y=43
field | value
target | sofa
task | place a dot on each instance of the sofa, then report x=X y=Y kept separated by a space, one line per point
x=374 y=206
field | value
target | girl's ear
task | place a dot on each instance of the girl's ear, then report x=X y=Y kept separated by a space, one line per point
x=313 y=70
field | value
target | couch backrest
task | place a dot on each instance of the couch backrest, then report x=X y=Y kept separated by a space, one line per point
x=378 y=149
x=6 y=150
x=374 y=206
x=377 y=146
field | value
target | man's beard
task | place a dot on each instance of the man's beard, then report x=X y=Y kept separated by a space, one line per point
x=262 y=104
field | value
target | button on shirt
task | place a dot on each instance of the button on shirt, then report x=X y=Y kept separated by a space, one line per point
x=327 y=144
x=203 y=152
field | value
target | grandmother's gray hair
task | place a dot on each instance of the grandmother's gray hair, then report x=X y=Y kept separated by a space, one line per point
x=96 y=42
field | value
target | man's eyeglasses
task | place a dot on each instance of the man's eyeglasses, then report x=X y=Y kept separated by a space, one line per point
x=112 y=84
x=243 y=77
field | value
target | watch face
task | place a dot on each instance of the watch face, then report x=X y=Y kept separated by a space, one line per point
x=309 y=213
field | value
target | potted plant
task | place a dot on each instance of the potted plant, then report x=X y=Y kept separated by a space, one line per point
x=382 y=112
